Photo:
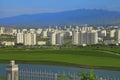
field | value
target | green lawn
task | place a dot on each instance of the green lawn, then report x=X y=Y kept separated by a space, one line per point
x=89 y=56
x=2 y=78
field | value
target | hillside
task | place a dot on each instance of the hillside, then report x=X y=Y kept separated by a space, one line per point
x=74 y=17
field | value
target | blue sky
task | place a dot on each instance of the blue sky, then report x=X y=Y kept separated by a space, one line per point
x=18 y=7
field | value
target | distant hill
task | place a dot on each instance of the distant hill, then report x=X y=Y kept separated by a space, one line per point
x=74 y=17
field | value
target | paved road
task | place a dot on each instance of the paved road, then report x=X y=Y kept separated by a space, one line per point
x=109 y=52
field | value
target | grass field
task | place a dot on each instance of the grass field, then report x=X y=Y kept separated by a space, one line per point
x=2 y=79
x=80 y=57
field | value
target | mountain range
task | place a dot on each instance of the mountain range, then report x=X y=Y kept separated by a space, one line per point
x=73 y=17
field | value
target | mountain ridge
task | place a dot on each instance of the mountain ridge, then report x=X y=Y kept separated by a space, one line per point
x=73 y=17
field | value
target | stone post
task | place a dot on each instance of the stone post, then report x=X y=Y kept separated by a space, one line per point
x=12 y=71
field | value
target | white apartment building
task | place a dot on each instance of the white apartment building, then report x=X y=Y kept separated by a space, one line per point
x=117 y=36
x=68 y=33
x=75 y=38
x=82 y=38
x=112 y=33
x=32 y=30
x=53 y=39
x=14 y=31
x=39 y=31
x=60 y=39
x=89 y=38
x=29 y=38
x=24 y=30
x=44 y=34
x=19 y=38
x=102 y=33
x=57 y=38
x=93 y=37
x=85 y=37
x=86 y=28
x=2 y=30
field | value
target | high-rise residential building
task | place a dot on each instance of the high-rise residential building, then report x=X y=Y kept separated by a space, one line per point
x=82 y=39
x=89 y=37
x=26 y=38
x=29 y=38
x=75 y=37
x=24 y=30
x=102 y=33
x=19 y=38
x=67 y=34
x=2 y=30
x=14 y=31
x=60 y=38
x=84 y=36
x=39 y=31
x=112 y=33
x=117 y=36
x=44 y=34
x=32 y=30
x=53 y=38
x=93 y=37
x=86 y=28
x=57 y=38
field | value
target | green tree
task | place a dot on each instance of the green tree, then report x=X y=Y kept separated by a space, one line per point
x=87 y=76
x=82 y=75
x=61 y=77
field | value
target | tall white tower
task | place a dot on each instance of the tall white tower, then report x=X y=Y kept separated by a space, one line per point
x=12 y=71
x=60 y=38
x=44 y=34
x=75 y=38
x=2 y=30
x=53 y=38
x=117 y=36
x=19 y=38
